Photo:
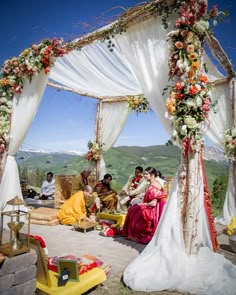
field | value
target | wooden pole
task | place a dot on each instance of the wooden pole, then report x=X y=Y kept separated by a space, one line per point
x=108 y=99
x=98 y=134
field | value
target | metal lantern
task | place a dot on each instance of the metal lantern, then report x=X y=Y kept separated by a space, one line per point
x=13 y=242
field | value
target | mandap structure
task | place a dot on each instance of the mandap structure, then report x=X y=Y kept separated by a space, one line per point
x=159 y=45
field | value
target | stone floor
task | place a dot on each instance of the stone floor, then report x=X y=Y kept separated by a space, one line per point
x=117 y=252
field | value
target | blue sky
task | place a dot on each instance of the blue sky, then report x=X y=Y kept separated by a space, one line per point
x=65 y=121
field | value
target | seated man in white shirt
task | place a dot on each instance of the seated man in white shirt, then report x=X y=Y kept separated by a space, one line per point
x=133 y=191
x=48 y=187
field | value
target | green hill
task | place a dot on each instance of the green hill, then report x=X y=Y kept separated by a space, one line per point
x=120 y=162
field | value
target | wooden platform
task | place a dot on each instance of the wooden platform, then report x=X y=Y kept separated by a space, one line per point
x=85 y=225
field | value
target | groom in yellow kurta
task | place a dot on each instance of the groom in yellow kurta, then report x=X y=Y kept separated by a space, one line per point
x=74 y=208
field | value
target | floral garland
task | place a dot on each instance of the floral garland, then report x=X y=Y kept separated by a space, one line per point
x=189 y=100
x=95 y=151
x=139 y=104
x=230 y=143
x=30 y=62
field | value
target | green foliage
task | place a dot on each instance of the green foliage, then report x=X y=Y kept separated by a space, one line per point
x=120 y=163
x=218 y=194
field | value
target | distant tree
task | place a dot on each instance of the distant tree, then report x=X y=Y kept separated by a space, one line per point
x=38 y=181
x=169 y=143
x=218 y=194
x=25 y=173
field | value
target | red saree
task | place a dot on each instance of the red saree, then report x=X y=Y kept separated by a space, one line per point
x=141 y=220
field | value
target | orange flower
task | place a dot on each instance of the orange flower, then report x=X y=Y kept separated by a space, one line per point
x=194 y=89
x=4 y=81
x=170 y=105
x=203 y=79
x=193 y=56
x=195 y=65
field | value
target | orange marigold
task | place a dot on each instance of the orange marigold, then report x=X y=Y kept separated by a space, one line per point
x=4 y=81
x=203 y=79
x=195 y=65
x=170 y=105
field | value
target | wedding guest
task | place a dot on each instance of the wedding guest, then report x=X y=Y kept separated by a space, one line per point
x=142 y=219
x=106 y=194
x=133 y=191
x=161 y=178
x=74 y=209
x=80 y=180
x=78 y=184
x=48 y=187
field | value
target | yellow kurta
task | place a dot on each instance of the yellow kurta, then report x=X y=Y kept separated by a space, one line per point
x=73 y=209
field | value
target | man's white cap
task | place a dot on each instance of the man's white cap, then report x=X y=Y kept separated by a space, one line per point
x=87 y=169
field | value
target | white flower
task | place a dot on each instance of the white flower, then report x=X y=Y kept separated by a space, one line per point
x=9 y=104
x=191 y=103
x=186 y=63
x=181 y=65
x=190 y=122
x=228 y=137
x=174 y=134
x=201 y=26
x=199 y=101
x=234 y=132
x=214 y=22
x=184 y=130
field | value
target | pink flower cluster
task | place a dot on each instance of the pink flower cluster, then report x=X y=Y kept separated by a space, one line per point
x=191 y=12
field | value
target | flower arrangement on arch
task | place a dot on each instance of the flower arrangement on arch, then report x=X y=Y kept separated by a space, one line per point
x=31 y=61
x=188 y=105
x=189 y=100
x=95 y=151
x=230 y=143
x=139 y=104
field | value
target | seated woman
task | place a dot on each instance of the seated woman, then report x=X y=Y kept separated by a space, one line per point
x=142 y=219
x=105 y=193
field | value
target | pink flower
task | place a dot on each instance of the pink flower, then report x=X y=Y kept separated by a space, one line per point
x=207 y=101
x=205 y=107
x=179 y=86
x=190 y=48
x=179 y=44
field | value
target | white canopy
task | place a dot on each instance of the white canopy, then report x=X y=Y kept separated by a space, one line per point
x=138 y=64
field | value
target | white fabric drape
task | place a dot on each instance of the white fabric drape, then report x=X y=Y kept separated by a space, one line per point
x=229 y=208
x=219 y=121
x=146 y=49
x=24 y=109
x=139 y=64
x=164 y=263
x=220 y=117
x=113 y=118
x=97 y=71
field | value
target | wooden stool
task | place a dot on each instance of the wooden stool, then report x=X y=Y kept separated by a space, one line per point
x=85 y=225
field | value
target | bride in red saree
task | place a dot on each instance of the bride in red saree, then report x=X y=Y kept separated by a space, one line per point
x=142 y=219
